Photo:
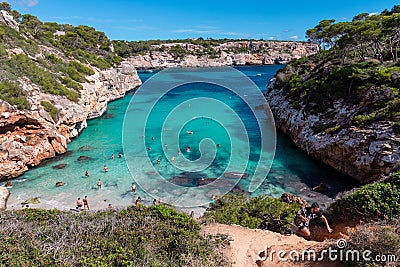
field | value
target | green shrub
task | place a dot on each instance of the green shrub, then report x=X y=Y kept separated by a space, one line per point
x=372 y=201
x=24 y=66
x=14 y=94
x=81 y=68
x=67 y=81
x=52 y=110
x=136 y=236
x=259 y=212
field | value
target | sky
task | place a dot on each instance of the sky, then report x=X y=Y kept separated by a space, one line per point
x=162 y=19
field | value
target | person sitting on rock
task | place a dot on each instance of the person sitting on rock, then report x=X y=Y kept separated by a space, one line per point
x=303 y=217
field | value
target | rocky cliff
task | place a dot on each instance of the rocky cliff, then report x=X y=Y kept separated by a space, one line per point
x=364 y=153
x=30 y=136
x=227 y=54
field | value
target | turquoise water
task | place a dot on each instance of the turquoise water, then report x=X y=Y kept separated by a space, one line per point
x=291 y=171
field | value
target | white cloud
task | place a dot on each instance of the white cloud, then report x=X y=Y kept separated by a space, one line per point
x=29 y=3
x=295 y=37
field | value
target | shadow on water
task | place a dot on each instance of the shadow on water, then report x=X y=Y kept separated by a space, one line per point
x=309 y=171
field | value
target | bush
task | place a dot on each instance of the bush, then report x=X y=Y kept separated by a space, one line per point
x=380 y=239
x=24 y=66
x=14 y=94
x=372 y=201
x=52 y=110
x=136 y=236
x=259 y=212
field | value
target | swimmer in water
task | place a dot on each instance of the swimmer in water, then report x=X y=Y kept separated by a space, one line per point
x=173 y=159
x=188 y=149
x=179 y=153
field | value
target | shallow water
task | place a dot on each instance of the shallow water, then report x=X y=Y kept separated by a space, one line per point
x=291 y=171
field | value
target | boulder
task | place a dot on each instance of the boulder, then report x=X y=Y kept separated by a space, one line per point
x=291 y=198
x=83 y=158
x=34 y=200
x=60 y=166
x=321 y=188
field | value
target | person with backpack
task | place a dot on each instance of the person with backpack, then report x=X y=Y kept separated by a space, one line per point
x=305 y=215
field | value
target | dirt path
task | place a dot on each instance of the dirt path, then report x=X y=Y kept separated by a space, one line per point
x=246 y=245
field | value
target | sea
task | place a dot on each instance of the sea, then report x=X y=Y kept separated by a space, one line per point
x=196 y=134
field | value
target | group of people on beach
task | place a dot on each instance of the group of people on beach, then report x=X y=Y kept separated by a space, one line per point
x=82 y=204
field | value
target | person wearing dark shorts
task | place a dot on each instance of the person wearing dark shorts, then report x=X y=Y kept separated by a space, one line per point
x=305 y=215
x=85 y=203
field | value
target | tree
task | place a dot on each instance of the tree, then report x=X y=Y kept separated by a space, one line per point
x=31 y=24
x=5 y=6
x=360 y=17
x=318 y=34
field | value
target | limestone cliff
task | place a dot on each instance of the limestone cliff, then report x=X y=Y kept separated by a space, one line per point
x=364 y=153
x=229 y=53
x=28 y=137
x=57 y=86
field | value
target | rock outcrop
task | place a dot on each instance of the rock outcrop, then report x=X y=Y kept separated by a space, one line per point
x=363 y=153
x=258 y=53
x=4 y=194
x=29 y=137
x=8 y=20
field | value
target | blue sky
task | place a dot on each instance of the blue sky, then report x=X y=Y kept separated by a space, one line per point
x=163 y=19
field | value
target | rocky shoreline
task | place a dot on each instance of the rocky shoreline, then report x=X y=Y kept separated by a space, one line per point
x=364 y=154
x=31 y=136
x=258 y=53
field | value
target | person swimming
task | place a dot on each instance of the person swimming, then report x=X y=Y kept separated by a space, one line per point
x=189 y=132
x=188 y=149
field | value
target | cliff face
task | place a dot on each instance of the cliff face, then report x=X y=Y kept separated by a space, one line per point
x=28 y=137
x=364 y=153
x=258 y=53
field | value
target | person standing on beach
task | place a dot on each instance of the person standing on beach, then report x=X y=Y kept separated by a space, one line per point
x=138 y=201
x=85 y=203
x=99 y=183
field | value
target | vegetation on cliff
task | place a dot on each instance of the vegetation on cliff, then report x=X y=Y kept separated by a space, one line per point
x=136 y=236
x=55 y=57
x=210 y=47
x=261 y=212
x=375 y=201
x=360 y=68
